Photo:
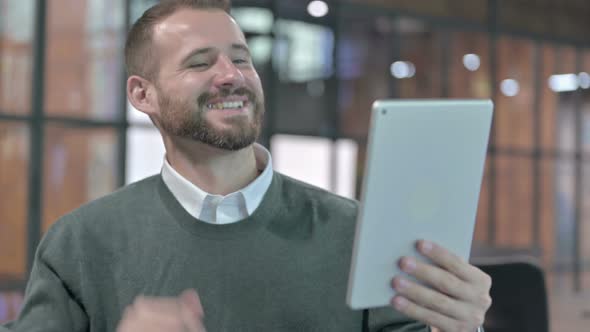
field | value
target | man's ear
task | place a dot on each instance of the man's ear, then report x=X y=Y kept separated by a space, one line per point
x=142 y=95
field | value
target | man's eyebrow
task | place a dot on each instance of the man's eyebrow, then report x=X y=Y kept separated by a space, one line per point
x=197 y=51
x=241 y=47
x=205 y=50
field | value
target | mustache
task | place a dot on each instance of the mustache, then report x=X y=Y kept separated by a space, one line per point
x=203 y=99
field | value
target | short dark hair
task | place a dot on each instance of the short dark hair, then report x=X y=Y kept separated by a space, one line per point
x=139 y=53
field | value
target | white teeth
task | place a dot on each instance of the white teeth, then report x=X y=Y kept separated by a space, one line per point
x=226 y=105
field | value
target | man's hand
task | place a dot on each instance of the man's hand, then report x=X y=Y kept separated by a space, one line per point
x=458 y=294
x=174 y=314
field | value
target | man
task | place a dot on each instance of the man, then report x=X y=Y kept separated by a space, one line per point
x=219 y=241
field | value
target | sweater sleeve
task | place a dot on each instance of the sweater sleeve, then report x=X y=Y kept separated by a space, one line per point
x=49 y=304
x=388 y=320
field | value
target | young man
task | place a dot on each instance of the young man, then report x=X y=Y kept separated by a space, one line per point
x=219 y=241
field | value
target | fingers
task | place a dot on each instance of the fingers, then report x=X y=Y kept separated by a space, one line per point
x=454 y=295
x=140 y=316
x=157 y=310
x=172 y=314
x=428 y=316
x=191 y=299
x=192 y=310
x=451 y=262
x=164 y=305
x=451 y=274
x=422 y=314
x=437 y=278
x=433 y=300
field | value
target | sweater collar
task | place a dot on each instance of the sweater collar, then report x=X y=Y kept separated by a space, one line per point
x=268 y=211
x=218 y=209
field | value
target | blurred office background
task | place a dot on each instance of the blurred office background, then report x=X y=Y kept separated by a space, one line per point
x=68 y=135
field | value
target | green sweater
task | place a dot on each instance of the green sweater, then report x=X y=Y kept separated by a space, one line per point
x=284 y=268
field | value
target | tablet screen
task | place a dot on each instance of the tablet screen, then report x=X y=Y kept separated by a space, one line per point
x=425 y=161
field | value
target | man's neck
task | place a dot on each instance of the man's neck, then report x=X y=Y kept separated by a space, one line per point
x=216 y=171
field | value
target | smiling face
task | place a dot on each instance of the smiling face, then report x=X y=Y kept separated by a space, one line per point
x=206 y=85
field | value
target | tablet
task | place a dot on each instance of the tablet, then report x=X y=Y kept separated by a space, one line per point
x=424 y=168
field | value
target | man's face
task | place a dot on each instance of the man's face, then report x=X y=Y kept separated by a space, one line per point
x=207 y=87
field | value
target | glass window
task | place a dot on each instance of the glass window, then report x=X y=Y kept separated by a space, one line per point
x=16 y=36
x=565 y=102
x=418 y=70
x=10 y=305
x=14 y=165
x=316 y=167
x=145 y=149
x=564 y=196
x=253 y=19
x=584 y=83
x=585 y=223
x=297 y=80
x=585 y=220
x=514 y=102
x=287 y=151
x=346 y=151
x=470 y=11
x=548 y=99
x=84 y=58
x=302 y=59
x=136 y=117
x=14 y=14
x=145 y=153
x=514 y=201
x=257 y=24
x=363 y=75
x=482 y=221
x=469 y=72
x=547 y=213
x=139 y=6
x=80 y=165
x=303 y=51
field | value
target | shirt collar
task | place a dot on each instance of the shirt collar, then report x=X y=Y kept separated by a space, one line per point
x=192 y=198
x=254 y=192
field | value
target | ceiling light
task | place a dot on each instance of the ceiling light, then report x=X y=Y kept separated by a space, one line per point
x=471 y=62
x=563 y=82
x=317 y=8
x=403 y=69
x=510 y=87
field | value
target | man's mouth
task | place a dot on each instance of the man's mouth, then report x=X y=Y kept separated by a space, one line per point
x=227 y=105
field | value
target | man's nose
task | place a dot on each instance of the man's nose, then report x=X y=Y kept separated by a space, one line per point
x=228 y=75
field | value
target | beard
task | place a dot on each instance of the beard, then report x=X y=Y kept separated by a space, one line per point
x=186 y=119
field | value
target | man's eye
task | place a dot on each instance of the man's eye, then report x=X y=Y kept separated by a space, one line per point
x=198 y=65
x=240 y=61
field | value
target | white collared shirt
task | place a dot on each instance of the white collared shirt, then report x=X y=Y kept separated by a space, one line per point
x=218 y=209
